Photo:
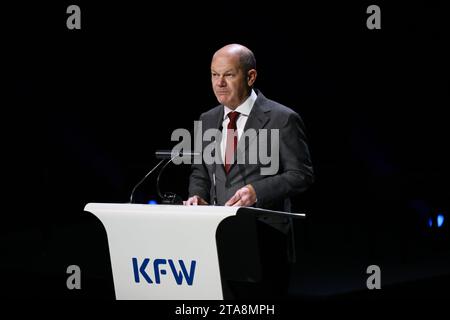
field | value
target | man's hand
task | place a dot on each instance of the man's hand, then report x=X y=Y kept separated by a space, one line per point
x=195 y=200
x=244 y=197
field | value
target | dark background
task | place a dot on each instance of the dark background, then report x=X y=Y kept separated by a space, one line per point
x=89 y=107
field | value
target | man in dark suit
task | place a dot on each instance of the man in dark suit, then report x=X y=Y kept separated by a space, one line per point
x=233 y=179
x=240 y=183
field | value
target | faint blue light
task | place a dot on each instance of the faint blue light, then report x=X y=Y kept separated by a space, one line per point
x=440 y=220
x=152 y=202
x=430 y=222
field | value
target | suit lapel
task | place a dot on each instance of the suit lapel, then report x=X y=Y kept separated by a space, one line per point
x=218 y=126
x=219 y=119
x=257 y=119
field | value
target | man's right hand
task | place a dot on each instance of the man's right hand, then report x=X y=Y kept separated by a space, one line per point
x=194 y=201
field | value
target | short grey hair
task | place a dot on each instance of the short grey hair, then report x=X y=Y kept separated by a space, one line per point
x=247 y=60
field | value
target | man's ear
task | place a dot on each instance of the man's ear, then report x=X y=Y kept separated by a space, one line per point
x=251 y=77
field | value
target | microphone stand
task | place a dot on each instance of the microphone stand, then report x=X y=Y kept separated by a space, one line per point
x=168 y=197
x=142 y=180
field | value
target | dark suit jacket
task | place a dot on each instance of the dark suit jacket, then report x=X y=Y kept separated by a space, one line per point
x=273 y=192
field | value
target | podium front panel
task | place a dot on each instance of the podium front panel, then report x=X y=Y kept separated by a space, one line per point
x=163 y=251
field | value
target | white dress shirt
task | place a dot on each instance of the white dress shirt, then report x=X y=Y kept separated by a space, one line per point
x=244 y=110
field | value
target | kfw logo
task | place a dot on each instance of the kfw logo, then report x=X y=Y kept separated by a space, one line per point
x=160 y=268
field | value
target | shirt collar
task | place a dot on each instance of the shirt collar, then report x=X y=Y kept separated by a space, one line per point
x=244 y=108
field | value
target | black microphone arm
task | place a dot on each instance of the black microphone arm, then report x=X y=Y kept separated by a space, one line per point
x=168 y=197
x=163 y=155
x=143 y=179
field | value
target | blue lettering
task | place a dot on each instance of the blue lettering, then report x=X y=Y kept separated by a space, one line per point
x=141 y=270
x=179 y=276
x=159 y=269
x=156 y=264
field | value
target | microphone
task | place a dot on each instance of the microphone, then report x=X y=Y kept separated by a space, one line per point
x=169 y=154
x=164 y=155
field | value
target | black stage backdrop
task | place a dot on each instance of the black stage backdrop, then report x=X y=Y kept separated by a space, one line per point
x=89 y=107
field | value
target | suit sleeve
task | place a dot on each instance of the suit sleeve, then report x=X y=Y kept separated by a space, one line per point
x=199 y=181
x=295 y=172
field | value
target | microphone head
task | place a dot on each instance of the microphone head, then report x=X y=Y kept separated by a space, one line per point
x=169 y=154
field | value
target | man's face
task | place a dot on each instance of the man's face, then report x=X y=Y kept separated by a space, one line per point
x=228 y=80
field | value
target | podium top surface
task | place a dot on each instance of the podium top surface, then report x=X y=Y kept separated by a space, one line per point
x=148 y=208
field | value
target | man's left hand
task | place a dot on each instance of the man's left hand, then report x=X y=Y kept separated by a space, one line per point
x=244 y=197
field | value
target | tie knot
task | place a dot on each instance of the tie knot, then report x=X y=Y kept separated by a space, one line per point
x=233 y=116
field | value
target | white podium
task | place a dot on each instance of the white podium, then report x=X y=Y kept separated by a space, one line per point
x=167 y=251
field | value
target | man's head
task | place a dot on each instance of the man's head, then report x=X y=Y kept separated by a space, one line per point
x=233 y=72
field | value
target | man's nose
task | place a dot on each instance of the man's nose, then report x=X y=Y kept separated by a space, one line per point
x=221 y=82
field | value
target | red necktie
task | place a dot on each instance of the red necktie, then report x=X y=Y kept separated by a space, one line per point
x=232 y=139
